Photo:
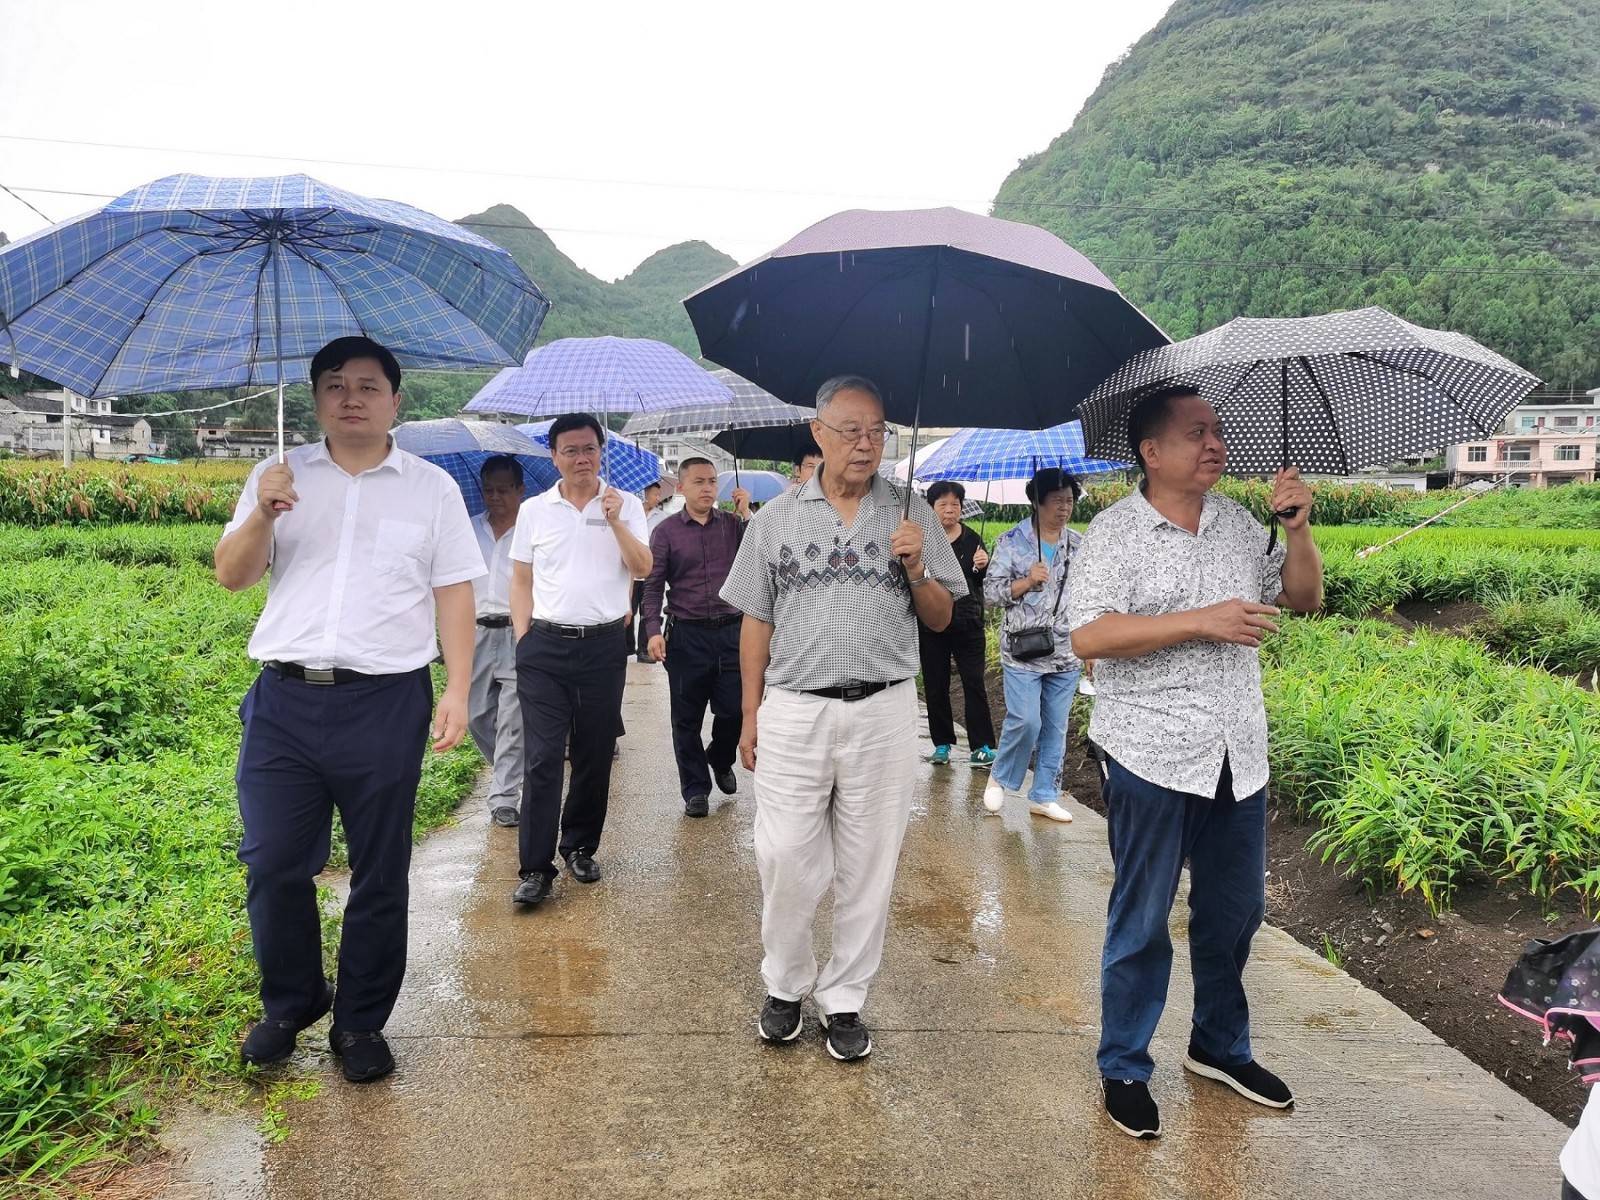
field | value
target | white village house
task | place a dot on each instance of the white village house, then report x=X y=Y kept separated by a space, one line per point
x=31 y=425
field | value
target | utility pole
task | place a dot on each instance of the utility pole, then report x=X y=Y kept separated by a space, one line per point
x=66 y=427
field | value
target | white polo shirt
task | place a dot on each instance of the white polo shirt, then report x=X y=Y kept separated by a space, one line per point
x=579 y=577
x=492 y=591
x=355 y=562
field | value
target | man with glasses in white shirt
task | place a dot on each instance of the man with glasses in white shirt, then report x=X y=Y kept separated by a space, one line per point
x=575 y=553
x=364 y=544
x=496 y=713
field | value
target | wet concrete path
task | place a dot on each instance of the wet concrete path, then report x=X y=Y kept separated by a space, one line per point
x=605 y=1044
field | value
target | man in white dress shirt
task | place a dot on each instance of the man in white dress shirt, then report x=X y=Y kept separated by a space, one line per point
x=496 y=713
x=364 y=545
x=575 y=554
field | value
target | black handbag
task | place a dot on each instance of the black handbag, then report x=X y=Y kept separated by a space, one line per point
x=1026 y=645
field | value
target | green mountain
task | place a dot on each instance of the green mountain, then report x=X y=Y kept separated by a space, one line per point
x=1287 y=157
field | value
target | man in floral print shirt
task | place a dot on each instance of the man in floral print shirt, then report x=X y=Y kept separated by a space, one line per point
x=1174 y=589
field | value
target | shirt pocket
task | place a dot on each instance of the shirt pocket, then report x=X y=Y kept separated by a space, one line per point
x=401 y=549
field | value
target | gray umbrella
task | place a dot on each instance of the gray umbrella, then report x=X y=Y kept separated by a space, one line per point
x=1329 y=394
x=751 y=407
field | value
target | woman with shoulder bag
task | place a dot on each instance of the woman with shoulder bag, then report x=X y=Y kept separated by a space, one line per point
x=1028 y=578
x=961 y=640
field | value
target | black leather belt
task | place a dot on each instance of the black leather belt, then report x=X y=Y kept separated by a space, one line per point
x=496 y=621
x=321 y=676
x=708 y=622
x=852 y=691
x=576 y=631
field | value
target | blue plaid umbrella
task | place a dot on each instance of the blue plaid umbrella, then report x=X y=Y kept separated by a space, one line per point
x=600 y=375
x=623 y=465
x=201 y=282
x=462 y=447
x=976 y=455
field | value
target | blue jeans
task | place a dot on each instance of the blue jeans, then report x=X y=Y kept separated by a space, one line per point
x=1152 y=831
x=1037 y=706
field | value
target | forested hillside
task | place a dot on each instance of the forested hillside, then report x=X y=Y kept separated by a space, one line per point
x=1283 y=157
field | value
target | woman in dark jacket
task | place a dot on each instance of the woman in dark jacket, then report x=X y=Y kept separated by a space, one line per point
x=962 y=641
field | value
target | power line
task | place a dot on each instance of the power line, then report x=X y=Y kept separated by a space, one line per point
x=20 y=200
x=744 y=189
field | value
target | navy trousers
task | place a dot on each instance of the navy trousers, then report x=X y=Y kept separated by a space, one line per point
x=703 y=669
x=1153 y=830
x=307 y=750
x=568 y=687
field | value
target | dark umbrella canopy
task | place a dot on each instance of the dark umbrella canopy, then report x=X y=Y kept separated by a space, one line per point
x=960 y=319
x=1329 y=394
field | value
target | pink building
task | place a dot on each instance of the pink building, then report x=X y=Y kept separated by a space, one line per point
x=1540 y=445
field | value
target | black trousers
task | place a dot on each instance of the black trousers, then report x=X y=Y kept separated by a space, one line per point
x=307 y=750
x=637 y=642
x=703 y=669
x=964 y=643
x=568 y=687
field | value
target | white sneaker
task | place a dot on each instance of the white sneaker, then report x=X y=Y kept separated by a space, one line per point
x=994 y=796
x=1053 y=810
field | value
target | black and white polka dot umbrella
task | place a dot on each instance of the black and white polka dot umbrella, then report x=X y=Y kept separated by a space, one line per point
x=1329 y=394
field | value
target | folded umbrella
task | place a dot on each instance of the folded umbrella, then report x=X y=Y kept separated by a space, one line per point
x=462 y=447
x=200 y=282
x=1556 y=982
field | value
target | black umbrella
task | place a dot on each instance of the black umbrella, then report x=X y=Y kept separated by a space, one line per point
x=960 y=319
x=1329 y=394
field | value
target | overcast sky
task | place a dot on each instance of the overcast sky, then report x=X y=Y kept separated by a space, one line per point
x=617 y=127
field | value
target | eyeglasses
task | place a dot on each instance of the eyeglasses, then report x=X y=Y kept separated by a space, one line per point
x=854 y=433
x=571 y=452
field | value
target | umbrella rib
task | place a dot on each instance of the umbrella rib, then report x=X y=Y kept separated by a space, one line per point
x=255 y=336
x=1327 y=407
x=1426 y=378
x=138 y=321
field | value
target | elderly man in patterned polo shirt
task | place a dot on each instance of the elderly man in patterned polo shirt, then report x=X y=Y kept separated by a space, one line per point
x=1174 y=589
x=827 y=654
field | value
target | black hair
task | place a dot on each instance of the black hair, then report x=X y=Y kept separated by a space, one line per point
x=1051 y=479
x=946 y=487
x=654 y=483
x=569 y=422
x=1149 y=414
x=341 y=350
x=808 y=449
x=502 y=462
x=696 y=461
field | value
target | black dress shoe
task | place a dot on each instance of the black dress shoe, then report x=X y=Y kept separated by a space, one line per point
x=504 y=814
x=697 y=806
x=535 y=889
x=364 y=1056
x=273 y=1041
x=583 y=867
x=727 y=782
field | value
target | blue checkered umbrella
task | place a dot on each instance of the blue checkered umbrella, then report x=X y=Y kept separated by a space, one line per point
x=201 y=282
x=462 y=447
x=622 y=464
x=600 y=375
x=976 y=455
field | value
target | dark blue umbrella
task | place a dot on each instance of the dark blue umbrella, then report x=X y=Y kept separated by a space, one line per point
x=960 y=319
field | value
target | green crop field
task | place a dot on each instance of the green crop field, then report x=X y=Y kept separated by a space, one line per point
x=124 y=950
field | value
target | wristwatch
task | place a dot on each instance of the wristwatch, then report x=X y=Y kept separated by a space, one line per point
x=918 y=582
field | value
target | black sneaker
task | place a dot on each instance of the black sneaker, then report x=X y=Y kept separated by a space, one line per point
x=848 y=1038
x=504 y=814
x=1130 y=1107
x=1252 y=1081
x=364 y=1056
x=273 y=1041
x=780 y=1020
x=697 y=806
x=727 y=781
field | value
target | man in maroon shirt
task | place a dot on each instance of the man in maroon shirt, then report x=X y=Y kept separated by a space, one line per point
x=691 y=552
